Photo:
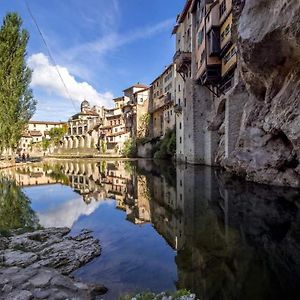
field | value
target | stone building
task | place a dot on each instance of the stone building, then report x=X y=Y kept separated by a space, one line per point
x=182 y=60
x=123 y=122
x=206 y=60
x=114 y=133
x=35 y=132
x=162 y=97
x=83 y=128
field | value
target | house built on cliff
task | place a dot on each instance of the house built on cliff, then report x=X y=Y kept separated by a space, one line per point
x=206 y=60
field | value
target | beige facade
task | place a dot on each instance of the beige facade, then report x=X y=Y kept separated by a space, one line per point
x=205 y=59
x=83 y=128
x=182 y=60
x=162 y=97
x=35 y=132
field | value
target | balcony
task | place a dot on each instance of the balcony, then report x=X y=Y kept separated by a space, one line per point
x=183 y=61
x=161 y=102
x=177 y=109
x=211 y=75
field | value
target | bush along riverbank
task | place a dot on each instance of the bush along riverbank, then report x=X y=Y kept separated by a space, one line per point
x=37 y=265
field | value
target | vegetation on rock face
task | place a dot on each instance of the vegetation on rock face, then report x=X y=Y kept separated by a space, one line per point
x=130 y=148
x=166 y=148
x=15 y=210
x=16 y=99
x=143 y=130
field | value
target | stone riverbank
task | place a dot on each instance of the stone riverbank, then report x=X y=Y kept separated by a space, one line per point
x=37 y=265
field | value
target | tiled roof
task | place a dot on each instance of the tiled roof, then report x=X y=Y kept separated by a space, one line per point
x=35 y=133
x=117 y=133
x=46 y=122
x=138 y=85
x=26 y=134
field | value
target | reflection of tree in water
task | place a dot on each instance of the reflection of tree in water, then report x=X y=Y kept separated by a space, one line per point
x=55 y=172
x=15 y=210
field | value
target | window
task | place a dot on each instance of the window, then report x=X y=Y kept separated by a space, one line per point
x=202 y=57
x=180 y=125
x=200 y=37
x=225 y=32
x=180 y=140
x=179 y=88
x=229 y=55
x=184 y=102
x=222 y=8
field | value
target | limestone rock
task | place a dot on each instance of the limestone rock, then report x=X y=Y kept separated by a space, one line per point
x=268 y=147
x=51 y=248
x=34 y=265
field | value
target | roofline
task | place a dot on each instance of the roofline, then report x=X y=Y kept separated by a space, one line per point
x=167 y=68
x=185 y=11
x=141 y=91
x=47 y=122
x=138 y=85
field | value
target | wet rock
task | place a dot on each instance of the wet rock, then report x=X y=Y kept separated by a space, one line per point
x=98 y=289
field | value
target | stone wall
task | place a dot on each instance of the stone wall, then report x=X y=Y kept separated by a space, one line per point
x=145 y=150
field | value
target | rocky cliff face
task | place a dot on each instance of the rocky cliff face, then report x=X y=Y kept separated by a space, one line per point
x=268 y=147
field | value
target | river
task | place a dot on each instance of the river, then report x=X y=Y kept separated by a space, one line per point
x=163 y=227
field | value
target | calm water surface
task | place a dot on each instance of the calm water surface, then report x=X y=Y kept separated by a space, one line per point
x=165 y=228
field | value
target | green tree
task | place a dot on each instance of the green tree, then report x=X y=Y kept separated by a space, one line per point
x=17 y=104
x=56 y=134
x=45 y=144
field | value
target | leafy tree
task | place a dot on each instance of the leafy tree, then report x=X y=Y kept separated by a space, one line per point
x=45 y=144
x=56 y=134
x=16 y=99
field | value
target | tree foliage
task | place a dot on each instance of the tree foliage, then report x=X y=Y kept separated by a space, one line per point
x=57 y=133
x=16 y=99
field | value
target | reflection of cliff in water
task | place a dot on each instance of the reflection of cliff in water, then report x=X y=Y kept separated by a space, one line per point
x=241 y=240
x=234 y=240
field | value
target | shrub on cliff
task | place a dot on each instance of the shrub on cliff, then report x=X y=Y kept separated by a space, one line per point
x=166 y=148
x=130 y=148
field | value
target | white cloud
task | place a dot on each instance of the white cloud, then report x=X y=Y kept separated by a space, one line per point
x=45 y=76
x=116 y=40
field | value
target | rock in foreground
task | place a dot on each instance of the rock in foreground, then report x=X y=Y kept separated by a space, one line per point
x=34 y=265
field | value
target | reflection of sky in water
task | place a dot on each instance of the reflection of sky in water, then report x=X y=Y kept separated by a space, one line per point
x=57 y=205
x=134 y=257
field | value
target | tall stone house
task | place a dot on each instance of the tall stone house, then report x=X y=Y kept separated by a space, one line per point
x=206 y=60
x=162 y=97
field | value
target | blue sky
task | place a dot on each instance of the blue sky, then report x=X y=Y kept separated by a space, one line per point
x=100 y=47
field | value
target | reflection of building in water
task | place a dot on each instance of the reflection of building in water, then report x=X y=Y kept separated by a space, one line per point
x=31 y=175
x=138 y=202
x=97 y=181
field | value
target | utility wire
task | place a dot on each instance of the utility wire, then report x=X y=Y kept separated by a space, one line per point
x=50 y=54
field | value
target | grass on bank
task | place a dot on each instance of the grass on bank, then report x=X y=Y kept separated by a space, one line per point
x=150 y=296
